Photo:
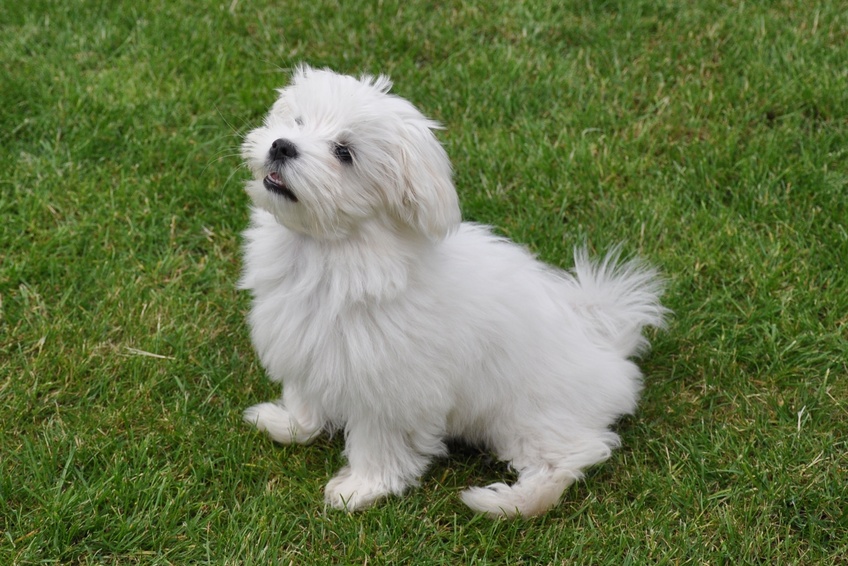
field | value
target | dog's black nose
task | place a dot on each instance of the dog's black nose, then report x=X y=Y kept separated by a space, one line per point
x=282 y=149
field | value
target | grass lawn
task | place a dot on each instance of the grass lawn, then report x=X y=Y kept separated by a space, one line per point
x=710 y=137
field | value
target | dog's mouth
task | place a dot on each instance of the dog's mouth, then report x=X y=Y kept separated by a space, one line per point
x=274 y=183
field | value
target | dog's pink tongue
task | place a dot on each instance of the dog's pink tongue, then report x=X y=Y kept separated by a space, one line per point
x=274 y=176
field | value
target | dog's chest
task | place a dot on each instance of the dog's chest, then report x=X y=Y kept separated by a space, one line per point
x=310 y=333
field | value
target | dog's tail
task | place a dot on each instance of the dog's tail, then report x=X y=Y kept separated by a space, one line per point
x=618 y=299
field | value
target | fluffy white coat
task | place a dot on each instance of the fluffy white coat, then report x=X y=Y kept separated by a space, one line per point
x=382 y=315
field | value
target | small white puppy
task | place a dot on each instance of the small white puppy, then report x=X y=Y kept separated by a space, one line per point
x=383 y=315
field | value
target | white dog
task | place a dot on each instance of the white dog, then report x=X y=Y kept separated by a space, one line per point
x=383 y=315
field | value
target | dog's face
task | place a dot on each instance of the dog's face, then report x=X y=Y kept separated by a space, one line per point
x=336 y=152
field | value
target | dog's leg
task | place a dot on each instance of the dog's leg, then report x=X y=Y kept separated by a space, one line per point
x=286 y=421
x=381 y=462
x=542 y=476
x=537 y=490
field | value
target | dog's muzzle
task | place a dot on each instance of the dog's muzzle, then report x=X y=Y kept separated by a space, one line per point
x=282 y=150
x=274 y=183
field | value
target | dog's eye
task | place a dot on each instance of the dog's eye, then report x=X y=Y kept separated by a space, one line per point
x=343 y=154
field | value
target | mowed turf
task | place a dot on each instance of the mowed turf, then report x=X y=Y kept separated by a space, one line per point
x=709 y=137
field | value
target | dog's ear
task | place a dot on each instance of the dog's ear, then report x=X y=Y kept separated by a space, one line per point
x=381 y=83
x=428 y=201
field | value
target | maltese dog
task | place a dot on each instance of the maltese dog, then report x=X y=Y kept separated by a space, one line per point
x=383 y=315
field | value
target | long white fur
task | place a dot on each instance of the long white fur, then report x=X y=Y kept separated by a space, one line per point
x=382 y=315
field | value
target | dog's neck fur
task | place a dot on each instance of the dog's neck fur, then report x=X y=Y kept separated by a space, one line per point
x=372 y=265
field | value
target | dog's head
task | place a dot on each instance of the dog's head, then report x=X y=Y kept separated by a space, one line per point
x=336 y=152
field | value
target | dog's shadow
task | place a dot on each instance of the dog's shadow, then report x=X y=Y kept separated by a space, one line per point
x=467 y=465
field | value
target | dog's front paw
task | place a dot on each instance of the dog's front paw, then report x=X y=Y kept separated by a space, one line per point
x=351 y=492
x=279 y=423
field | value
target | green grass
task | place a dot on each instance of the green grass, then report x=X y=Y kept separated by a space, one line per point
x=711 y=137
